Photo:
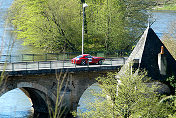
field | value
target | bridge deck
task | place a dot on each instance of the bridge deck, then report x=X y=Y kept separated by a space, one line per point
x=21 y=66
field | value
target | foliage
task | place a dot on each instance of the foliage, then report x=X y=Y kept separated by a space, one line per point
x=133 y=98
x=167 y=7
x=116 y=23
x=55 y=25
x=46 y=23
x=164 y=2
x=171 y=100
x=172 y=81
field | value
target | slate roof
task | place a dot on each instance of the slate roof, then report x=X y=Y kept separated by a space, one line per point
x=146 y=51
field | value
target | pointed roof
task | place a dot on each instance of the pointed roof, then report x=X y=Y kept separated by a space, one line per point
x=146 y=52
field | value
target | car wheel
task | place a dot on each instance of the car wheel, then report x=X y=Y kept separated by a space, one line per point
x=100 y=62
x=83 y=62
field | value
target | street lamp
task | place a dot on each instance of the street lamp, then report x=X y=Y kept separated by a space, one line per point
x=84 y=6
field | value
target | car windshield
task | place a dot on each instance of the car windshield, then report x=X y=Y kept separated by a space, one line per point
x=79 y=56
x=89 y=56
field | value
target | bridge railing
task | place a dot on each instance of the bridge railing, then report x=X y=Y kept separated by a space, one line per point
x=57 y=64
x=57 y=56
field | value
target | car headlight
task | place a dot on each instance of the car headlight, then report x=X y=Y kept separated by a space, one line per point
x=77 y=58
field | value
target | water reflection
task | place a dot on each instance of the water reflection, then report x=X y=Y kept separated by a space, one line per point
x=88 y=97
x=15 y=104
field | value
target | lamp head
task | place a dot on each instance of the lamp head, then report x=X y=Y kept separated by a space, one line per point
x=85 y=5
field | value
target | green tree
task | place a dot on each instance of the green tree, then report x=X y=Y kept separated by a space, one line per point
x=134 y=98
x=49 y=24
x=55 y=25
x=115 y=24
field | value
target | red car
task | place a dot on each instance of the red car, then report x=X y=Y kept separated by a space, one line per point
x=83 y=59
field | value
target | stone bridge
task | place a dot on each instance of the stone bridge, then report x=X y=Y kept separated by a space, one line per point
x=41 y=85
x=41 y=80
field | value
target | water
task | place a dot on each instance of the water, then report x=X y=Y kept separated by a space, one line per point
x=4 y=5
x=162 y=21
x=15 y=104
x=87 y=98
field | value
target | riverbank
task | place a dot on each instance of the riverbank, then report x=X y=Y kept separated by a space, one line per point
x=171 y=7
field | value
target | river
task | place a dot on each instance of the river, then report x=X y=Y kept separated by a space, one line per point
x=15 y=104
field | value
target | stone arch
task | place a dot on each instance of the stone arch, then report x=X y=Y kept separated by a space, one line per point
x=36 y=86
x=84 y=97
x=41 y=98
x=79 y=83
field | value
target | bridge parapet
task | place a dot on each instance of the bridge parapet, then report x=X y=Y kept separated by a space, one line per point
x=60 y=64
x=58 y=56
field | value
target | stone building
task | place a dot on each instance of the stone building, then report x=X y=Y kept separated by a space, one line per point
x=151 y=55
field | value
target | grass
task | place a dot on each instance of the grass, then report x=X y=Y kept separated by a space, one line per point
x=171 y=7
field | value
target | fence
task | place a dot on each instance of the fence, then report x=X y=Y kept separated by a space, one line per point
x=56 y=56
x=58 y=64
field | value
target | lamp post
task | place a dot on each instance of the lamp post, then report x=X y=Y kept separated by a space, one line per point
x=84 y=6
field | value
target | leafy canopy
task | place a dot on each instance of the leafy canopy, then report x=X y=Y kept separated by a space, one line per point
x=55 y=25
x=133 y=98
